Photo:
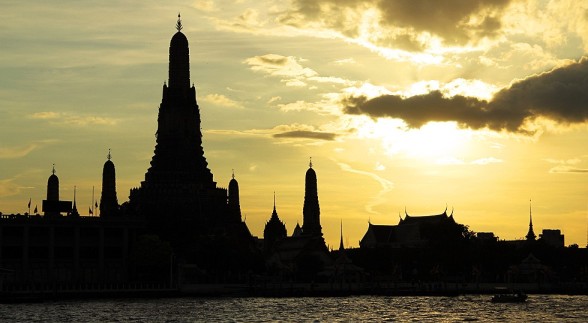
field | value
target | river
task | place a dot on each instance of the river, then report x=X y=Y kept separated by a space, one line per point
x=539 y=308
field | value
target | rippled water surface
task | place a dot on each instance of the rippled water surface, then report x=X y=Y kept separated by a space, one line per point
x=539 y=308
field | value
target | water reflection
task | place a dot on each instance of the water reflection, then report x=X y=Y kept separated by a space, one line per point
x=544 y=308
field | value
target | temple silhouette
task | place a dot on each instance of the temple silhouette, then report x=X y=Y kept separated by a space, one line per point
x=180 y=231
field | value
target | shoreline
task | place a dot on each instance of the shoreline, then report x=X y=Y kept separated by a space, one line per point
x=290 y=290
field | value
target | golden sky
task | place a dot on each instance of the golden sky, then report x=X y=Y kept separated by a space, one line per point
x=477 y=106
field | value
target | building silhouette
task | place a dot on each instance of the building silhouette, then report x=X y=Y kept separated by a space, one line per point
x=311 y=210
x=179 y=227
x=53 y=206
x=274 y=231
x=412 y=231
x=303 y=254
x=530 y=234
x=108 y=200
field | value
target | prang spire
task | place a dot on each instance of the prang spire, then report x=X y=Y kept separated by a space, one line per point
x=530 y=235
x=311 y=212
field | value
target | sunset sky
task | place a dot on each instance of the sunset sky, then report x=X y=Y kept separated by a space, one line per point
x=474 y=105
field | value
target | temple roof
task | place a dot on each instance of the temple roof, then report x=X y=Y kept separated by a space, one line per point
x=382 y=233
x=428 y=219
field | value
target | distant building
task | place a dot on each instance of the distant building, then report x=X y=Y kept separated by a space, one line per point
x=108 y=201
x=530 y=234
x=412 y=231
x=53 y=251
x=304 y=253
x=486 y=236
x=274 y=231
x=552 y=237
x=52 y=206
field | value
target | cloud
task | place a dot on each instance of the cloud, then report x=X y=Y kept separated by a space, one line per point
x=290 y=131
x=72 y=119
x=306 y=135
x=486 y=161
x=16 y=152
x=291 y=70
x=568 y=169
x=278 y=65
x=386 y=186
x=205 y=5
x=19 y=152
x=274 y=99
x=222 y=100
x=409 y=25
x=345 y=61
x=9 y=188
x=566 y=166
x=559 y=95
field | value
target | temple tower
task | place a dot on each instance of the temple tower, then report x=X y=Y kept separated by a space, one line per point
x=53 y=186
x=179 y=185
x=233 y=200
x=311 y=211
x=108 y=199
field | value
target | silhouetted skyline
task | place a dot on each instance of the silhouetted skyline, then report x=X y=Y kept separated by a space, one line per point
x=277 y=86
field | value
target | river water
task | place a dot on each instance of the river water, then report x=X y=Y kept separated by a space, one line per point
x=539 y=308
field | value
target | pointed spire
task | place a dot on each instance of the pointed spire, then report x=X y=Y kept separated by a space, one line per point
x=310 y=164
x=233 y=176
x=53 y=171
x=109 y=156
x=530 y=235
x=341 y=247
x=274 y=201
x=74 y=210
x=179 y=23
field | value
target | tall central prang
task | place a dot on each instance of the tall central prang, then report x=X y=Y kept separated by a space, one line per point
x=179 y=185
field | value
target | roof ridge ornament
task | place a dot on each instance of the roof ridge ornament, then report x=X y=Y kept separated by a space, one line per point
x=179 y=26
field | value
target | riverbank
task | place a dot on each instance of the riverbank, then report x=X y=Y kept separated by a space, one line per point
x=283 y=290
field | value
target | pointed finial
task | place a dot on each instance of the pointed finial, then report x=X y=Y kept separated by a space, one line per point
x=53 y=171
x=179 y=23
x=310 y=164
x=233 y=173
x=341 y=246
x=109 y=156
x=530 y=214
x=74 y=193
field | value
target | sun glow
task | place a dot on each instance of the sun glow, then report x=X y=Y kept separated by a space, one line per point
x=433 y=141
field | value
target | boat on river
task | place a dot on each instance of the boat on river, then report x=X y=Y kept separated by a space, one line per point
x=510 y=297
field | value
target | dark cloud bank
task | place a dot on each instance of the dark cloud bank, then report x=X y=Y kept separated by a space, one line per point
x=454 y=21
x=560 y=95
x=307 y=134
